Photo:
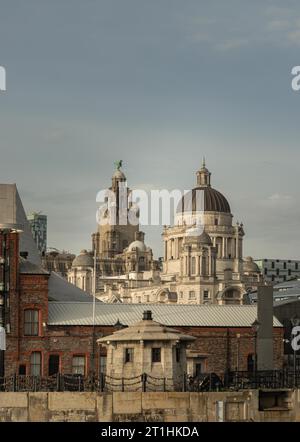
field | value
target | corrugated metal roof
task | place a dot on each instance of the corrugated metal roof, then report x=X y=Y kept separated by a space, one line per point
x=80 y=313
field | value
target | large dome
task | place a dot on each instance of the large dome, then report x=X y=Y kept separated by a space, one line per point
x=203 y=197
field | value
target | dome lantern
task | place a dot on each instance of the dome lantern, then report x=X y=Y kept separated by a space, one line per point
x=203 y=175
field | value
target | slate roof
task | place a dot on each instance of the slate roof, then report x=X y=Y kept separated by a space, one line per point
x=63 y=291
x=80 y=313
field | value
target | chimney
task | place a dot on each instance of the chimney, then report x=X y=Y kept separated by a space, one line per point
x=147 y=315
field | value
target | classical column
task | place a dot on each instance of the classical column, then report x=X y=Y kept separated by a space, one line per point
x=197 y=266
x=237 y=246
x=223 y=247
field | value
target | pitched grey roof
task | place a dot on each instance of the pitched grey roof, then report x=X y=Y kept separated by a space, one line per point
x=80 y=313
x=12 y=212
x=62 y=290
x=28 y=268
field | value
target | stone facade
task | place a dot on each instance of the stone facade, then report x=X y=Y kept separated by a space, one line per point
x=242 y=406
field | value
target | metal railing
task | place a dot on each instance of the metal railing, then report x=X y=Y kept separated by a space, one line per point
x=229 y=381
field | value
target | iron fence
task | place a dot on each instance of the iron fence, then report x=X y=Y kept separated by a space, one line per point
x=233 y=380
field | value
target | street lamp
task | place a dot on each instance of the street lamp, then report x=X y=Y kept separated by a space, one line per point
x=295 y=322
x=255 y=327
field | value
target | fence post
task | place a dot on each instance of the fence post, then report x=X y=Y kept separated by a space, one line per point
x=15 y=382
x=34 y=383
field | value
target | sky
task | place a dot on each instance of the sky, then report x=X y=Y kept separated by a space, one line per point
x=158 y=84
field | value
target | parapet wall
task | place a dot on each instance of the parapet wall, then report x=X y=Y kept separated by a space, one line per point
x=150 y=407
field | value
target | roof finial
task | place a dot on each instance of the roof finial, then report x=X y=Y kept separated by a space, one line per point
x=118 y=164
x=203 y=161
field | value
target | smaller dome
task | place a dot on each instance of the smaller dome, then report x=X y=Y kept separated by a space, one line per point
x=84 y=259
x=250 y=266
x=139 y=245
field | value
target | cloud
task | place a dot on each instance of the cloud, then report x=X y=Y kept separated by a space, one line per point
x=276 y=25
x=280 y=197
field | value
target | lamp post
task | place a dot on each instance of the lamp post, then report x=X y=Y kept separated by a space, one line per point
x=295 y=322
x=255 y=327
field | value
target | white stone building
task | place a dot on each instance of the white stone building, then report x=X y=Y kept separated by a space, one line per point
x=203 y=255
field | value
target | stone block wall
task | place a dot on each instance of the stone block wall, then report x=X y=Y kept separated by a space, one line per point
x=147 y=407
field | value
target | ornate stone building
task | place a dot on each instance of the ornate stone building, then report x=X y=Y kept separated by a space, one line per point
x=203 y=253
x=204 y=250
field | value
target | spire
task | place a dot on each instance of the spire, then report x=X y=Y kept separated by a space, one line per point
x=203 y=162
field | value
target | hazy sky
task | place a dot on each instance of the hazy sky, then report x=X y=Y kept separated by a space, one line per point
x=158 y=84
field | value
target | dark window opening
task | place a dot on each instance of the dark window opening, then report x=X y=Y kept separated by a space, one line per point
x=156 y=354
x=128 y=355
x=22 y=370
x=53 y=365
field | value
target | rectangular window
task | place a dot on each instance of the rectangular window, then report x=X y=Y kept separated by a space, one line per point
x=128 y=355
x=78 y=365
x=31 y=322
x=177 y=354
x=53 y=365
x=156 y=354
x=35 y=363
x=103 y=364
x=192 y=294
x=206 y=294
